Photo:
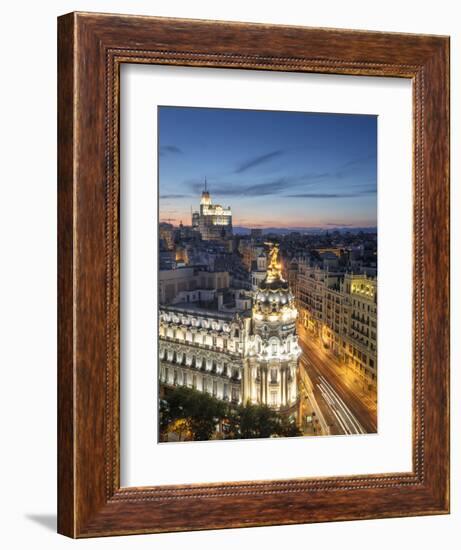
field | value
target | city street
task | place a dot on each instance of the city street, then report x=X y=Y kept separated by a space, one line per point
x=331 y=395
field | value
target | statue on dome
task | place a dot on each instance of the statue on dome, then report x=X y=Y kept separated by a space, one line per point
x=274 y=269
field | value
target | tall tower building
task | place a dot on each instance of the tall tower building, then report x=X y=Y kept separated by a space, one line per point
x=272 y=365
x=213 y=221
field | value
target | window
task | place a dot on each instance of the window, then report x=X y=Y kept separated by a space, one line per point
x=273 y=375
x=215 y=388
x=273 y=398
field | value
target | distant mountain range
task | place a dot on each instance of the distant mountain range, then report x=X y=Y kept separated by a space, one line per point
x=239 y=230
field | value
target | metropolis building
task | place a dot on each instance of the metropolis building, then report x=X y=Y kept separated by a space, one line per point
x=247 y=353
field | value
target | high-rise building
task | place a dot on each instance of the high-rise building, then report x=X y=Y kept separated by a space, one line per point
x=213 y=221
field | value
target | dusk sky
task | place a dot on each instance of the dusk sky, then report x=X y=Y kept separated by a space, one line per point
x=275 y=169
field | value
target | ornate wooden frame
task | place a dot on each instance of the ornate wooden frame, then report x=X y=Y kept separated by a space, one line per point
x=91 y=48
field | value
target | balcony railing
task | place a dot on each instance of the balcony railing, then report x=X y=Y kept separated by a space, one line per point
x=209 y=347
x=172 y=364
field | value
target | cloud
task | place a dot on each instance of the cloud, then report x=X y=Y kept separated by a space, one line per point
x=360 y=160
x=196 y=186
x=367 y=190
x=322 y=195
x=329 y=195
x=170 y=150
x=351 y=166
x=323 y=182
x=271 y=187
x=256 y=161
x=255 y=190
x=174 y=196
x=332 y=224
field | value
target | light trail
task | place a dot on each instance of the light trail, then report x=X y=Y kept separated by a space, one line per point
x=311 y=397
x=330 y=403
x=360 y=411
x=348 y=421
x=344 y=407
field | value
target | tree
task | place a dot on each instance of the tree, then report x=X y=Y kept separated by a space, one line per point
x=289 y=428
x=200 y=411
x=204 y=413
x=257 y=421
x=260 y=421
x=181 y=428
x=194 y=415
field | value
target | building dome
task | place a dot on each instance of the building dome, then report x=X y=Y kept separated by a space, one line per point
x=274 y=361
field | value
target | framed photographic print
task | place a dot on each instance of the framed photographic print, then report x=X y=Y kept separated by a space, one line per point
x=253 y=275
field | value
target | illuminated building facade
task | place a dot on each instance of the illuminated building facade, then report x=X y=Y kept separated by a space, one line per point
x=360 y=349
x=166 y=234
x=341 y=310
x=203 y=350
x=258 y=271
x=251 y=250
x=244 y=355
x=213 y=221
x=273 y=363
